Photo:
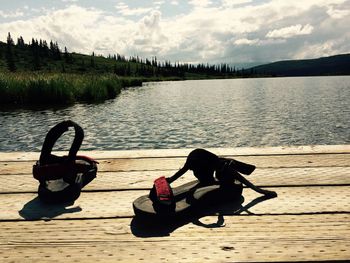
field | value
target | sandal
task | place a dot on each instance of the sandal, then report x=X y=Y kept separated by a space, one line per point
x=164 y=201
x=62 y=177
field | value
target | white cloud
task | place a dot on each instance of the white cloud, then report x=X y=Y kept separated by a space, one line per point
x=200 y=3
x=159 y=2
x=124 y=10
x=80 y=29
x=290 y=31
x=174 y=2
x=258 y=42
x=14 y=14
x=236 y=31
x=69 y=1
x=337 y=13
x=314 y=51
x=245 y=41
x=149 y=31
x=231 y=3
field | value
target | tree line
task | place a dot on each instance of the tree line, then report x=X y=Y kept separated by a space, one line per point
x=39 y=55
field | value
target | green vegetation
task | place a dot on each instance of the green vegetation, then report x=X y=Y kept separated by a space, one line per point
x=40 y=73
x=45 y=88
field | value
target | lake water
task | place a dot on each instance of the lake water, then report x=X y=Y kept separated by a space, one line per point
x=205 y=113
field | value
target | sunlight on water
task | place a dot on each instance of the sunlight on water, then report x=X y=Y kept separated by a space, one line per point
x=206 y=113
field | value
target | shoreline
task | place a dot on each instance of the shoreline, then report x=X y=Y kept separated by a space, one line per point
x=56 y=90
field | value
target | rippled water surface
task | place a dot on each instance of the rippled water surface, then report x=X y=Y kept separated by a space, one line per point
x=206 y=113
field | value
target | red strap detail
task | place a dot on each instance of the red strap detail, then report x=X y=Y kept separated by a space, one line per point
x=59 y=170
x=163 y=189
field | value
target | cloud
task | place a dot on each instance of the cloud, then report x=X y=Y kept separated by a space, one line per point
x=149 y=30
x=245 y=41
x=159 y=2
x=314 y=50
x=290 y=31
x=14 y=14
x=124 y=10
x=337 y=13
x=152 y=21
x=232 y=3
x=200 y=3
x=80 y=29
x=236 y=31
x=258 y=42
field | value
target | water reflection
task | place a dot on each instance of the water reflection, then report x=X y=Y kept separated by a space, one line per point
x=187 y=114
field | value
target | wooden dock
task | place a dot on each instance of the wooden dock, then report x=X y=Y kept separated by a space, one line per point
x=308 y=221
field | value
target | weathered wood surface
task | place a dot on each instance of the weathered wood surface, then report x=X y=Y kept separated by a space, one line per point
x=308 y=221
x=238 y=239
x=291 y=200
x=137 y=180
x=171 y=163
x=161 y=153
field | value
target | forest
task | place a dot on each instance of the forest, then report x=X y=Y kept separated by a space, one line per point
x=39 y=72
x=41 y=56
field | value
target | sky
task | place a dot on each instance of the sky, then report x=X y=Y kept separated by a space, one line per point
x=195 y=31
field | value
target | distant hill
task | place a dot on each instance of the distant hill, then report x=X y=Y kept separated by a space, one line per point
x=333 y=65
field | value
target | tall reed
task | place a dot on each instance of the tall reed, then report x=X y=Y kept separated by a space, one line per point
x=45 y=88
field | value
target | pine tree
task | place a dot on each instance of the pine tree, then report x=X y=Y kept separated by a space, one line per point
x=58 y=52
x=66 y=55
x=52 y=48
x=9 y=54
x=92 y=60
x=55 y=52
x=36 y=54
x=20 y=42
x=10 y=40
x=45 y=49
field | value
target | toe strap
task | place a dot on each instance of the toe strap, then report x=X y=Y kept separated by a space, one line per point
x=162 y=190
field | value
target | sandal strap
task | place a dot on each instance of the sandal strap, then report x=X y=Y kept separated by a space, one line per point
x=77 y=171
x=241 y=167
x=203 y=164
x=200 y=161
x=252 y=186
x=163 y=191
x=231 y=169
x=53 y=135
x=68 y=170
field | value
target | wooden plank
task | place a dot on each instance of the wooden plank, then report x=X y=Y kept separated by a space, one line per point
x=238 y=151
x=19 y=183
x=290 y=200
x=161 y=164
x=239 y=239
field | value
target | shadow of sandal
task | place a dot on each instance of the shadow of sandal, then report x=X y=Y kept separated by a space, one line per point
x=35 y=210
x=158 y=228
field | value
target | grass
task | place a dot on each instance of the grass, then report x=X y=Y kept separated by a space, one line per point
x=58 y=88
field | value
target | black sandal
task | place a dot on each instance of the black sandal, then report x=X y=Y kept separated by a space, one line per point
x=163 y=201
x=62 y=177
